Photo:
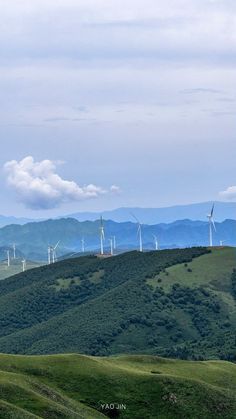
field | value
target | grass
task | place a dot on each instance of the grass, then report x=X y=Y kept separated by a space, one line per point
x=15 y=268
x=214 y=268
x=65 y=283
x=77 y=386
x=96 y=277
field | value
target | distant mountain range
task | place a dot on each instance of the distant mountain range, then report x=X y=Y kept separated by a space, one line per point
x=223 y=211
x=5 y=220
x=32 y=239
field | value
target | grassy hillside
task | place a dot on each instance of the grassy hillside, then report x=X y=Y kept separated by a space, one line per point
x=75 y=386
x=176 y=303
x=214 y=270
x=15 y=268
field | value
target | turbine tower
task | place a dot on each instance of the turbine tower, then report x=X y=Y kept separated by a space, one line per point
x=49 y=254
x=139 y=232
x=83 y=245
x=102 y=235
x=156 y=242
x=23 y=265
x=14 y=251
x=54 y=254
x=211 y=224
x=112 y=246
x=8 y=258
x=222 y=242
x=114 y=242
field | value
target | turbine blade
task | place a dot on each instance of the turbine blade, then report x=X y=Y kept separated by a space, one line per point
x=212 y=210
x=134 y=216
x=213 y=223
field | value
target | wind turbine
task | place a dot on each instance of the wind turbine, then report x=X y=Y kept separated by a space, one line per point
x=139 y=233
x=14 y=251
x=54 y=254
x=156 y=242
x=23 y=265
x=211 y=223
x=114 y=242
x=222 y=242
x=112 y=248
x=8 y=258
x=83 y=245
x=102 y=235
x=49 y=254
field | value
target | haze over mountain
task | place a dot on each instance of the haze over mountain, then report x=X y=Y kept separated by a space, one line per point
x=198 y=211
x=7 y=220
x=223 y=211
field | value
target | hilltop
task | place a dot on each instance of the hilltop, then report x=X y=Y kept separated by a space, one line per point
x=177 y=303
x=132 y=387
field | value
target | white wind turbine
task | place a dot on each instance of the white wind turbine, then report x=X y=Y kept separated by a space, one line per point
x=49 y=254
x=8 y=258
x=114 y=242
x=102 y=235
x=54 y=254
x=23 y=265
x=14 y=250
x=111 y=246
x=155 y=242
x=222 y=242
x=139 y=232
x=83 y=245
x=211 y=224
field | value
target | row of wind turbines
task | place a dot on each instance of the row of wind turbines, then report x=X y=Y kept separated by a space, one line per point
x=14 y=258
x=112 y=240
x=211 y=222
x=52 y=250
x=212 y=227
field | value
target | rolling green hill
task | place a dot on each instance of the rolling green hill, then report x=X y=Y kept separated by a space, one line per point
x=175 y=303
x=132 y=387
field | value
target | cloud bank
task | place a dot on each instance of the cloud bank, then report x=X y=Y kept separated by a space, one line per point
x=38 y=186
x=229 y=194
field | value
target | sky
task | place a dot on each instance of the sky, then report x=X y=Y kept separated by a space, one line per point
x=109 y=103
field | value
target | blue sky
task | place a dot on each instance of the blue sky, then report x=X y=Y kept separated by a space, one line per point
x=136 y=98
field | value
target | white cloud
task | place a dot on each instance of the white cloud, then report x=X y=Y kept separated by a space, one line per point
x=38 y=185
x=115 y=189
x=229 y=193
